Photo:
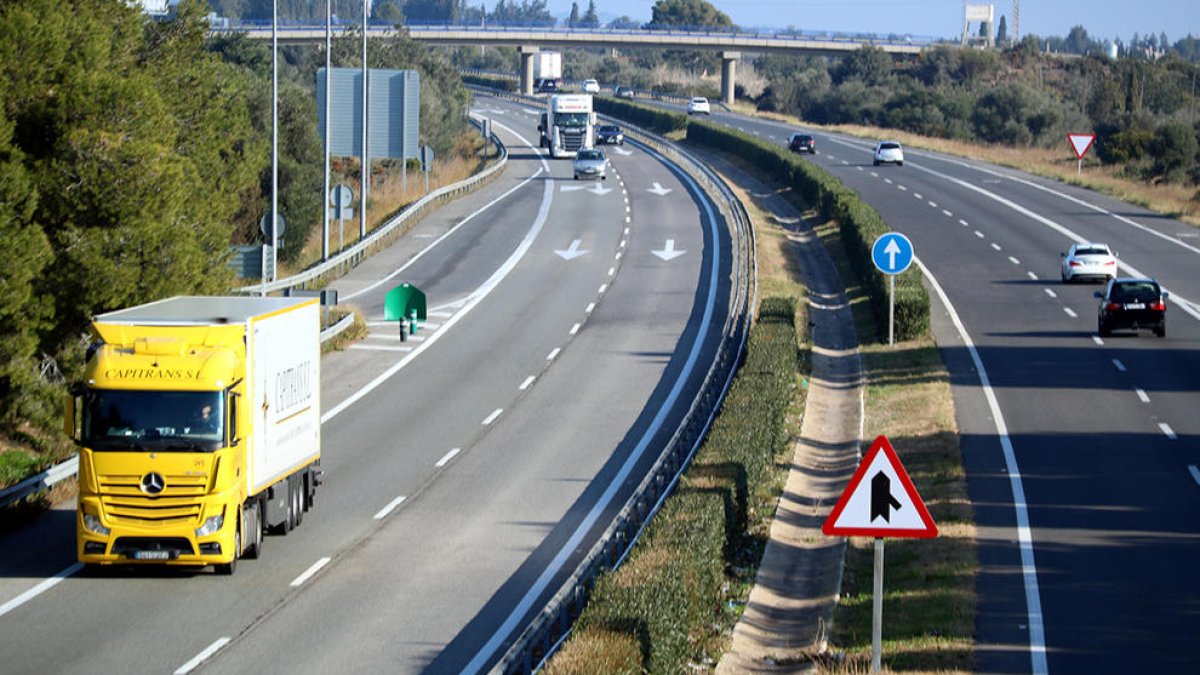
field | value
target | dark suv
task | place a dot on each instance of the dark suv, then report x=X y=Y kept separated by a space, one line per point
x=1132 y=304
x=802 y=143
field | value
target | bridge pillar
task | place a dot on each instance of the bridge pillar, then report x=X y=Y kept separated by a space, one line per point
x=527 y=69
x=728 y=73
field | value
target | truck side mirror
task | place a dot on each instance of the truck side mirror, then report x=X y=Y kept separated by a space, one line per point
x=233 y=408
x=70 y=427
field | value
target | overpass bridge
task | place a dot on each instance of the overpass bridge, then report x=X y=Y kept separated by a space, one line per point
x=530 y=39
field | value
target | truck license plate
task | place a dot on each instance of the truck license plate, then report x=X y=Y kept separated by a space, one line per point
x=151 y=555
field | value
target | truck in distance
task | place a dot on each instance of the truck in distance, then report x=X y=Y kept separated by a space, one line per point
x=568 y=125
x=198 y=423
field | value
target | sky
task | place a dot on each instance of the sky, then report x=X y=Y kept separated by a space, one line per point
x=1103 y=19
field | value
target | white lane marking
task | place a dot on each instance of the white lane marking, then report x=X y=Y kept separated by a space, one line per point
x=1120 y=366
x=618 y=256
x=1014 y=260
x=627 y=232
x=591 y=306
x=859 y=168
x=545 y=168
x=476 y=297
x=1070 y=312
x=932 y=204
x=575 y=328
x=1050 y=293
x=874 y=175
x=1033 y=601
x=37 y=590
x=359 y=346
x=1166 y=429
x=889 y=182
x=554 y=567
x=492 y=418
x=612 y=271
x=440 y=315
x=528 y=381
x=391 y=506
x=1097 y=340
x=447 y=457
x=902 y=187
x=996 y=246
x=1032 y=276
x=551 y=356
x=962 y=222
x=603 y=288
x=1141 y=394
x=202 y=656
x=918 y=195
x=1195 y=473
x=316 y=567
x=978 y=234
x=624 y=242
x=947 y=213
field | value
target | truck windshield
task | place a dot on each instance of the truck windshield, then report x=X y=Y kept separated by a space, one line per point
x=162 y=421
x=572 y=119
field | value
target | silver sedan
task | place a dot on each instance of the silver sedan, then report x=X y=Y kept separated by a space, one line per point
x=591 y=164
x=1089 y=261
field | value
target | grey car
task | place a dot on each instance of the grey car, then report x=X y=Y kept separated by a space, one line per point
x=591 y=163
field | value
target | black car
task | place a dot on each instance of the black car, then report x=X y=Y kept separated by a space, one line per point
x=1130 y=304
x=610 y=134
x=623 y=92
x=547 y=86
x=802 y=143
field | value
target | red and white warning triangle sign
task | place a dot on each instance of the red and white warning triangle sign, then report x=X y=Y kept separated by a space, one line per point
x=880 y=500
x=1080 y=143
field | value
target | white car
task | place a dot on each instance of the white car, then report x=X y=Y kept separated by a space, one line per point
x=889 y=152
x=591 y=87
x=698 y=104
x=1089 y=261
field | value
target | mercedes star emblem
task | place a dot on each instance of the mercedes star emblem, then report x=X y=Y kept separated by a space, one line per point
x=153 y=483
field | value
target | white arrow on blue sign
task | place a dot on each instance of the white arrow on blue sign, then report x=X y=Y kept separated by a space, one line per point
x=892 y=253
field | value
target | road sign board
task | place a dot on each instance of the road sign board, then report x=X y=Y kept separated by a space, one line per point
x=264 y=226
x=892 y=253
x=341 y=195
x=1080 y=143
x=880 y=500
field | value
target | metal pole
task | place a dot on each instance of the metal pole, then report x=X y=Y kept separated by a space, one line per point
x=366 y=160
x=274 y=134
x=328 y=96
x=877 y=611
x=891 y=309
x=1079 y=169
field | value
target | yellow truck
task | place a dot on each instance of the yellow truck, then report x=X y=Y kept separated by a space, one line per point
x=198 y=423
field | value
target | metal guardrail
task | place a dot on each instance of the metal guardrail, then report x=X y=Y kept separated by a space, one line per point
x=555 y=621
x=382 y=236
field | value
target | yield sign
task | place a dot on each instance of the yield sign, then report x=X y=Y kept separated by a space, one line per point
x=1080 y=143
x=880 y=500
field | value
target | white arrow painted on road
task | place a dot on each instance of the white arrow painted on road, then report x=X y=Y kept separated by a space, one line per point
x=594 y=188
x=573 y=251
x=891 y=250
x=669 y=252
x=623 y=151
x=659 y=190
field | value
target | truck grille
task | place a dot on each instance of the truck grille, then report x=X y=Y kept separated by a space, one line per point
x=179 y=502
x=572 y=141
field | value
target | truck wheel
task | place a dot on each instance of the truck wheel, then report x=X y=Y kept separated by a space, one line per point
x=298 y=501
x=254 y=550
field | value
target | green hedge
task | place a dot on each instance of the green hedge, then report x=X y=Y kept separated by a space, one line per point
x=652 y=119
x=668 y=604
x=859 y=223
x=493 y=82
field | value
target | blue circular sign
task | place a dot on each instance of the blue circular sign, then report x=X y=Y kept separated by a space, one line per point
x=892 y=253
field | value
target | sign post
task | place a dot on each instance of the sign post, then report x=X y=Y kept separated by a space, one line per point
x=1080 y=144
x=869 y=508
x=341 y=197
x=892 y=253
x=426 y=164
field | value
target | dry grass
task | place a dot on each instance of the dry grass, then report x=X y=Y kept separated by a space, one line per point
x=1176 y=201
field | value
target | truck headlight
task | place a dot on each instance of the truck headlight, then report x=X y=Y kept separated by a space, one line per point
x=93 y=523
x=211 y=525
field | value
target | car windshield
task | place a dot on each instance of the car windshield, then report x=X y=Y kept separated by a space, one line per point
x=699 y=100
x=590 y=154
x=571 y=119
x=610 y=129
x=183 y=421
x=889 y=146
x=1091 y=251
x=1141 y=291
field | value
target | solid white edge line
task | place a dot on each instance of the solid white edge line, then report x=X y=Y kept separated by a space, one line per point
x=202 y=656
x=383 y=513
x=1166 y=429
x=492 y=418
x=316 y=567
x=1141 y=394
x=1195 y=473
x=447 y=457
x=42 y=587
x=1033 y=601
x=528 y=381
x=602 y=503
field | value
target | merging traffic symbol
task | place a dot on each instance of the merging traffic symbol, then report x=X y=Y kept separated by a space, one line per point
x=594 y=188
x=886 y=505
x=659 y=190
x=572 y=251
x=623 y=151
x=668 y=252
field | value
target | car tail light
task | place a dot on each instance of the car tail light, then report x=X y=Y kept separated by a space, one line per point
x=1159 y=306
x=1075 y=263
x=1113 y=307
x=1110 y=262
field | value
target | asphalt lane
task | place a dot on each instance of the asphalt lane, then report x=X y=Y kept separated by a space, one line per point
x=1103 y=431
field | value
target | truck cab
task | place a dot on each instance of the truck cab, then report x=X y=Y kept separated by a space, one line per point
x=568 y=125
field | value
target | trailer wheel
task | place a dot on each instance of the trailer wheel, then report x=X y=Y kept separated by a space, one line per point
x=254 y=550
x=297 y=502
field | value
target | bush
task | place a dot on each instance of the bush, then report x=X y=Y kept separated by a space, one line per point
x=1120 y=147
x=653 y=119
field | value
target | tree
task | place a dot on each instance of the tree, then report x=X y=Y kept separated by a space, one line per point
x=573 y=20
x=691 y=13
x=1078 y=42
x=624 y=23
x=872 y=65
x=389 y=11
x=1002 y=31
x=590 y=18
x=1174 y=150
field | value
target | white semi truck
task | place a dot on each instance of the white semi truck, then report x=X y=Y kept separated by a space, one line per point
x=568 y=125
